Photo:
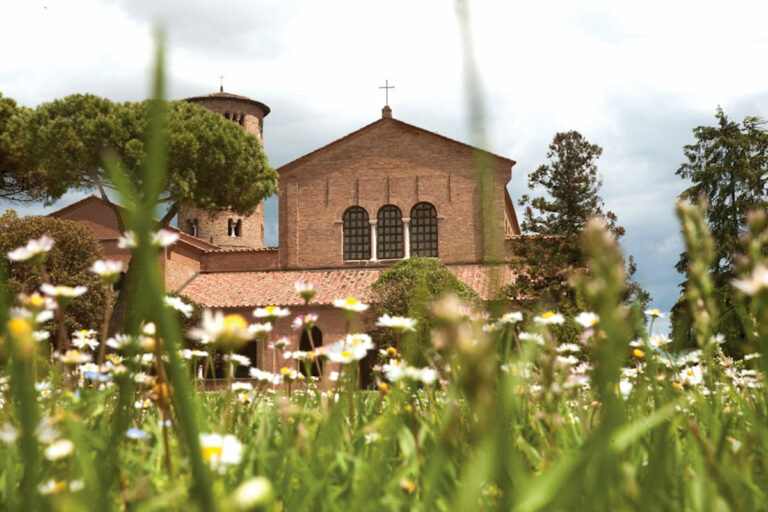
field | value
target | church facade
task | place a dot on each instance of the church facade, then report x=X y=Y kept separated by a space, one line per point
x=347 y=210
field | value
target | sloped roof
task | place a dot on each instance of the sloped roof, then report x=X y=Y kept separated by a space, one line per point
x=252 y=289
x=184 y=238
x=380 y=122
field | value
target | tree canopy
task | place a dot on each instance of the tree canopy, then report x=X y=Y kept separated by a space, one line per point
x=572 y=183
x=61 y=145
x=727 y=167
x=544 y=262
x=407 y=288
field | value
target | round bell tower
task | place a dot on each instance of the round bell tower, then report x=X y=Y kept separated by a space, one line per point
x=224 y=228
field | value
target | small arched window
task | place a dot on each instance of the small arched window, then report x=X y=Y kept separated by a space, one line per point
x=239 y=227
x=305 y=345
x=357 y=234
x=389 y=233
x=424 y=230
x=230 y=228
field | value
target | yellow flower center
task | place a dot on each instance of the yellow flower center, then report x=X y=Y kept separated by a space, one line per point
x=346 y=354
x=351 y=301
x=271 y=309
x=284 y=370
x=210 y=451
x=548 y=314
x=234 y=322
x=638 y=353
x=36 y=300
x=19 y=328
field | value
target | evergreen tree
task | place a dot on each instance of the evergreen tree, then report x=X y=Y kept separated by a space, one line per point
x=727 y=167
x=545 y=261
x=572 y=183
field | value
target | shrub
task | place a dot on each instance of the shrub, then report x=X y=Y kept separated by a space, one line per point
x=74 y=251
x=407 y=289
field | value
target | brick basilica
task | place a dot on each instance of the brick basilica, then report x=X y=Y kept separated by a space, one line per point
x=388 y=191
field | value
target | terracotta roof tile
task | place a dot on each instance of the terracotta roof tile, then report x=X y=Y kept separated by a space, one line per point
x=251 y=289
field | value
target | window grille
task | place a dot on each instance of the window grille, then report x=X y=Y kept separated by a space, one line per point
x=424 y=230
x=357 y=234
x=389 y=233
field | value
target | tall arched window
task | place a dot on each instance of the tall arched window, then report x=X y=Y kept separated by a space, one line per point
x=389 y=233
x=306 y=346
x=239 y=227
x=424 y=230
x=357 y=234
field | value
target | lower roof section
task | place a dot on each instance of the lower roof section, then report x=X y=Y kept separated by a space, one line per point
x=276 y=287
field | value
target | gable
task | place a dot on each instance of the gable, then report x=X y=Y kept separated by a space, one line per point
x=390 y=139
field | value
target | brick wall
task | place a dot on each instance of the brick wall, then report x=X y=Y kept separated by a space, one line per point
x=242 y=261
x=388 y=162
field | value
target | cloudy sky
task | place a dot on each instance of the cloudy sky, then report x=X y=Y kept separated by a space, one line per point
x=633 y=77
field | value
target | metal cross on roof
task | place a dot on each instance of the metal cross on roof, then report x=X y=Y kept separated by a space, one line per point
x=386 y=88
x=221 y=86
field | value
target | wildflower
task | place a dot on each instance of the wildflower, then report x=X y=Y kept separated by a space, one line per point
x=84 y=338
x=407 y=485
x=261 y=375
x=532 y=336
x=137 y=433
x=586 y=319
x=304 y=321
x=654 y=313
x=238 y=359
x=289 y=374
x=333 y=376
x=565 y=348
x=638 y=353
x=372 y=437
x=127 y=241
x=271 y=313
x=59 y=449
x=75 y=357
x=109 y=270
x=260 y=329
x=427 y=375
x=8 y=433
x=37 y=303
x=164 y=238
x=384 y=388
x=625 y=387
x=242 y=386
x=51 y=487
x=511 y=318
x=230 y=331
x=62 y=292
x=305 y=289
x=34 y=251
x=143 y=404
x=398 y=323
x=350 y=304
x=691 y=376
x=221 y=451
x=568 y=360
x=549 y=318
x=754 y=282
x=253 y=494
x=179 y=305
x=120 y=341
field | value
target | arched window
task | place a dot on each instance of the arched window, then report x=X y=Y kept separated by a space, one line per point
x=389 y=233
x=306 y=346
x=424 y=230
x=195 y=229
x=239 y=227
x=357 y=234
x=230 y=228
